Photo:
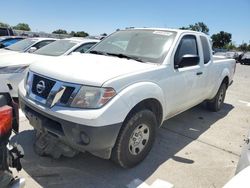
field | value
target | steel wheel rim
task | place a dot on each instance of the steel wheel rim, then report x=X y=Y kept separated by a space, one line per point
x=221 y=96
x=139 y=139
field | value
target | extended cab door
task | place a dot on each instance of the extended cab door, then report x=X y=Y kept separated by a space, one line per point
x=187 y=75
x=208 y=71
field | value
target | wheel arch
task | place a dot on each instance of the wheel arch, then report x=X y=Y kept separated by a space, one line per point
x=151 y=104
x=226 y=81
x=224 y=78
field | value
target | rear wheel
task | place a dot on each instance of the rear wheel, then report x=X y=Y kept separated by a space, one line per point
x=135 y=139
x=216 y=103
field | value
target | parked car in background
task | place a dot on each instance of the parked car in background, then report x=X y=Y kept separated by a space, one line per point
x=215 y=50
x=240 y=53
x=9 y=40
x=5 y=31
x=220 y=54
x=245 y=60
x=232 y=55
x=110 y=100
x=27 y=45
x=67 y=46
x=13 y=67
x=4 y=37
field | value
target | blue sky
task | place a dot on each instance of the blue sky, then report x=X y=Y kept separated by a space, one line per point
x=96 y=16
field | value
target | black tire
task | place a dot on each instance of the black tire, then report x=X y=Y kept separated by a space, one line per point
x=122 y=154
x=216 y=103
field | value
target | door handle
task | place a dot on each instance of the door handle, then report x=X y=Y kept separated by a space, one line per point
x=199 y=73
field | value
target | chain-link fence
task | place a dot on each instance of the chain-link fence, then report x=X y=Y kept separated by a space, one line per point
x=40 y=34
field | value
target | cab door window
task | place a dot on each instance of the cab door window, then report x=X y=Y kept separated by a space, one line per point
x=187 y=46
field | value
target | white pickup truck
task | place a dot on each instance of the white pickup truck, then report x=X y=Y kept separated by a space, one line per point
x=110 y=100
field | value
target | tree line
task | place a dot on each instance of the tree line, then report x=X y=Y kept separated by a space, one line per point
x=220 y=40
x=72 y=33
x=26 y=27
x=20 y=26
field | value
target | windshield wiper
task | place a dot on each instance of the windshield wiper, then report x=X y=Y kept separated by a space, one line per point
x=97 y=52
x=116 y=55
x=126 y=56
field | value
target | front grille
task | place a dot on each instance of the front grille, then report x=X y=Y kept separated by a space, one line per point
x=42 y=86
x=66 y=95
x=48 y=91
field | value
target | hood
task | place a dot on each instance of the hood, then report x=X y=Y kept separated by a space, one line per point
x=13 y=59
x=87 y=69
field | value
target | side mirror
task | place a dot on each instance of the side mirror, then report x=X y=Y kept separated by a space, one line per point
x=32 y=49
x=188 y=60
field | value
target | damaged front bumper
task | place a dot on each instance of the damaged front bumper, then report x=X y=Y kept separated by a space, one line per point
x=97 y=140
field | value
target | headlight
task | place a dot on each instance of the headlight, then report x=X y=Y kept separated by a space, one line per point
x=92 y=97
x=13 y=69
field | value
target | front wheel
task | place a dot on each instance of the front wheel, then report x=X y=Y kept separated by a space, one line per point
x=216 y=103
x=135 y=139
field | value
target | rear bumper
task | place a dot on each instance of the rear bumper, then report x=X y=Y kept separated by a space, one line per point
x=97 y=140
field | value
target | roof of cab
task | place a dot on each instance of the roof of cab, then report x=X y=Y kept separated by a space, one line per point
x=167 y=29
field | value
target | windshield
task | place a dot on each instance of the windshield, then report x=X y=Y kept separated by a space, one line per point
x=10 y=41
x=145 y=45
x=22 y=45
x=56 y=48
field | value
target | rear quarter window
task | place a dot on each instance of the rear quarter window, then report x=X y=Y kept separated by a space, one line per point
x=205 y=49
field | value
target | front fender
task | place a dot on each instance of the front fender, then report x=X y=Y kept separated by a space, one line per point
x=134 y=94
